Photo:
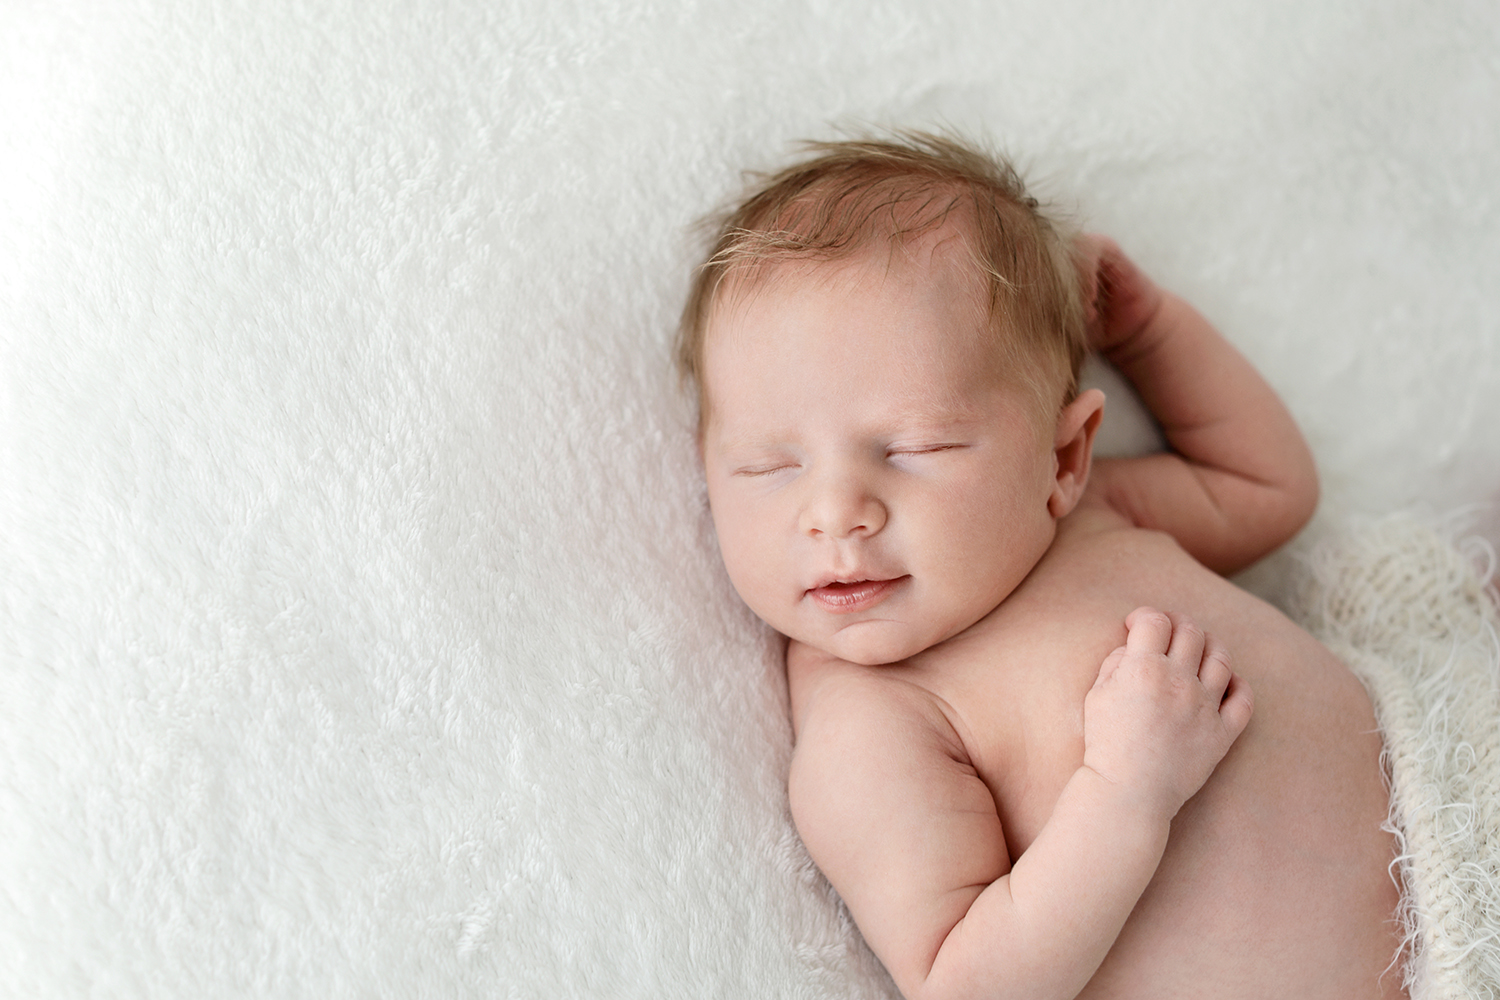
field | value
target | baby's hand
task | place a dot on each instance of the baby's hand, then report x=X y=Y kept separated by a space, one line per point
x=1164 y=710
x=1119 y=299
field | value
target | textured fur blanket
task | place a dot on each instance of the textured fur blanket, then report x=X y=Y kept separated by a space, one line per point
x=1412 y=615
x=361 y=627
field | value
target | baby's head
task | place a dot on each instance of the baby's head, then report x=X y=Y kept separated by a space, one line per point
x=886 y=343
x=883 y=196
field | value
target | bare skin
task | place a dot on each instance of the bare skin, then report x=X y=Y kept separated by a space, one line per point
x=1274 y=878
x=1047 y=789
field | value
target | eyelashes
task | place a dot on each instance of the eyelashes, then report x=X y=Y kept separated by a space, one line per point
x=904 y=451
x=930 y=449
x=759 y=472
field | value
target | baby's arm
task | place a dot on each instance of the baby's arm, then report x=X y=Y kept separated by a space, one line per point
x=1240 y=480
x=898 y=819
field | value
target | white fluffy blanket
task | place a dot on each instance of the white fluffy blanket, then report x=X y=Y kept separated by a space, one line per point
x=361 y=629
x=1415 y=616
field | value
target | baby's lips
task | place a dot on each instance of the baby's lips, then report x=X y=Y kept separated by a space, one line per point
x=842 y=597
x=851 y=577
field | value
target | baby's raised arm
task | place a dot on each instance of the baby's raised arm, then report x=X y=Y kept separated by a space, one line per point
x=899 y=820
x=1240 y=480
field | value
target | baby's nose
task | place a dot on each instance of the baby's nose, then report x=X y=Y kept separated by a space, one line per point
x=843 y=510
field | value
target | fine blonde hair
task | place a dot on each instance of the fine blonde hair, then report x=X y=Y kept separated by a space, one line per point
x=849 y=195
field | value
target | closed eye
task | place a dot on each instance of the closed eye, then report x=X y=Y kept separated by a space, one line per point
x=924 y=449
x=762 y=470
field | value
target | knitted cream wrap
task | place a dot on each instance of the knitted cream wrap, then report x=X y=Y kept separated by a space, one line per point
x=1411 y=615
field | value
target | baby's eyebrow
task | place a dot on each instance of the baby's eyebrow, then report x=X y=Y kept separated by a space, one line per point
x=936 y=415
x=905 y=418
x=925 y=427
x=776 y=440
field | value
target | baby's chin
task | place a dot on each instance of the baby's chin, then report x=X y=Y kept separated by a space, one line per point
x=870 y=644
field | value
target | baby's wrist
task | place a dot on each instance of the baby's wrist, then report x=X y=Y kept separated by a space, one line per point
x=1137 y=803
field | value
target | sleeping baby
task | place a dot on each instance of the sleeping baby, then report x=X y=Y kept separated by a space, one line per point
x=1024 y=755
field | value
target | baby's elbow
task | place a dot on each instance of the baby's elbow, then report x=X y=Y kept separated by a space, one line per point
x=1268 y=518
x=1286 y=511
x=1303 y=493
x=1311 y=493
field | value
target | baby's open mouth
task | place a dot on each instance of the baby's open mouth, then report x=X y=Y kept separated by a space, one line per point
x=855 y=595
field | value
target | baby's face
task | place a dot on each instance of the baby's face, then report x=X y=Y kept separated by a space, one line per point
x=876 y=487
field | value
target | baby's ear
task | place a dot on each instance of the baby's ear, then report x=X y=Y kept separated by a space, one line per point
x=1073 y=450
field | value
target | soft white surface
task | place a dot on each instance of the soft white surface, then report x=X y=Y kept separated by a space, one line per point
x=1411 y=608
x=363 y=633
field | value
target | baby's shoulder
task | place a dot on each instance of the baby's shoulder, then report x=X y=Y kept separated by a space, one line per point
x=1096 y=545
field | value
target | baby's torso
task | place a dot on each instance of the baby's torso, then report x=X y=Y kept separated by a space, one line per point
x=1275 y=879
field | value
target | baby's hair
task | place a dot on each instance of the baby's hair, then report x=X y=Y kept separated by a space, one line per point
x=850 y=194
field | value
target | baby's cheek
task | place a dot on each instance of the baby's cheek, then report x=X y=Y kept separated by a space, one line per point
x=757 y=576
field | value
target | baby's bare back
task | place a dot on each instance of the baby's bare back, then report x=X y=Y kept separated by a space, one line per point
x=1275 y=880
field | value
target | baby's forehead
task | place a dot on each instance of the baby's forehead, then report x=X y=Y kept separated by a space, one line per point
x=941 y=257
x=914 y=331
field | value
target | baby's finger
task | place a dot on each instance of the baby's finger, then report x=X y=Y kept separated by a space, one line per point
x=1149 y=631
x=1188 y=641
x=1237 y=707
x=1110 y=665
x=1214 y=671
